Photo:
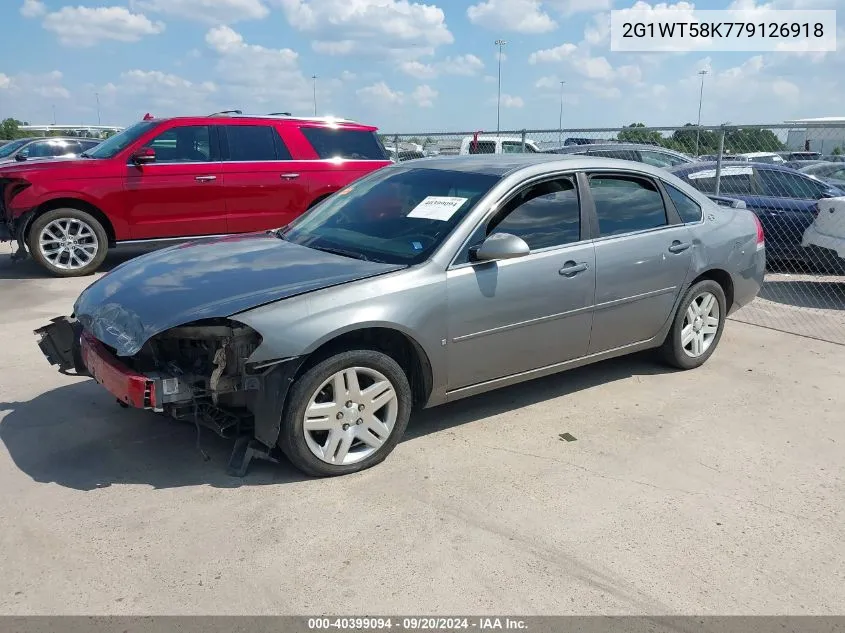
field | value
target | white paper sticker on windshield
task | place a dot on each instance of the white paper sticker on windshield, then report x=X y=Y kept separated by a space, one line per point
x=437 y=208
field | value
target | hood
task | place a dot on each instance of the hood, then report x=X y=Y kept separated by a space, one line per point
x=40 y=164
x=202 y=280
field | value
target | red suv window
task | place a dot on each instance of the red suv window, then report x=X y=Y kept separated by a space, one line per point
x=339 y=143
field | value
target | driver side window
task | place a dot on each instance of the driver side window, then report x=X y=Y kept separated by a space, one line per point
x=544 y=214
x=186 y=144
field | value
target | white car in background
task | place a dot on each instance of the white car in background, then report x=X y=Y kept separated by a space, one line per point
x=497 y=145
x=828 y=229
x=760 y=157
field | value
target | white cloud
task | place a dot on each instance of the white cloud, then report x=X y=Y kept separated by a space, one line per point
x=86 y=26
x=369 y=26
x=461 y=65
x=509 y=101
x=347 y=76
x=264 y=76
x=214 y=11
x=522 y=16
x=602 y=90
x=33 y=9
x=380 y=94
x=45 y=85
x=466 y=65
x=418 y=69
x=598 y=30
x=424 y=96
x=556 y=54
x=165 y=93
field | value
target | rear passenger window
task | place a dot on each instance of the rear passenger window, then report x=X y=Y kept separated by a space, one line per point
x=686 y=207
x=546 y=214
x=254 y=143
x=625 y=204
x=349 y=144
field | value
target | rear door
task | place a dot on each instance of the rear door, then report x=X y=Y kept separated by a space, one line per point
x=181 y=193
x=643 y=257
x=264 y=188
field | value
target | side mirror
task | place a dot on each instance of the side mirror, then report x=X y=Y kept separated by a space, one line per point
x=20 y=157
x=144 y=156
x=500 y=246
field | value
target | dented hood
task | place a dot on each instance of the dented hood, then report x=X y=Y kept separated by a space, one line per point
x=202 y=280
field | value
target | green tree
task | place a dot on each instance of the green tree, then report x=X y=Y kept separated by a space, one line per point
x=837 y=151
x=685 y=140
x=638 y=133
x=741 y=140
x=10 y=129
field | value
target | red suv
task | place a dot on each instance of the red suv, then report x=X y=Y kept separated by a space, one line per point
x=186 y=177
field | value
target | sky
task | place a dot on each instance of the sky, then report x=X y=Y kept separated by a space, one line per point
x=406 y=66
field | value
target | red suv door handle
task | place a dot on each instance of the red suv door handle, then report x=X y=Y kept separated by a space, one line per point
x=205 y=178
x=289 y=176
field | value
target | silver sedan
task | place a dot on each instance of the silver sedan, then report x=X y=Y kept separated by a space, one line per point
x=417 y=285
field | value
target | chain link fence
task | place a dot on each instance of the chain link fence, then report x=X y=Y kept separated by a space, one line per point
x=792 y=176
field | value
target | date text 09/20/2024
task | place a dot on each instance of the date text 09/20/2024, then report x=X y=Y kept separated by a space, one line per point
x=416 y=623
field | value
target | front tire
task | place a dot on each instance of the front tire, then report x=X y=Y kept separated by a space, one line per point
x=68 y=242
x=346 y=414
x=697 y=327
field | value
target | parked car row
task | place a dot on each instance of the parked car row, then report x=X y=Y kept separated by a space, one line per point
x=40 y=147
x=177 y=178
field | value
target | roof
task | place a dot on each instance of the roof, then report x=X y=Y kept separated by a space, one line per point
x=504 y=164
x=726 y=164
x=324 y=120
x=615 y=146
x=493 y=137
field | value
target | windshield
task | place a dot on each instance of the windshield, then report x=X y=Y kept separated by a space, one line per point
x=397 y=215
x=117 y=143
x=10 y=148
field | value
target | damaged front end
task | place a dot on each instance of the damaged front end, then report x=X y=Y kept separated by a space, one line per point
x=197 y=373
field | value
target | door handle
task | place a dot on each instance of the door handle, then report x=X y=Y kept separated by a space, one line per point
x=289 y=176
x=570 y=269
x=205 y=178
x=679 y=247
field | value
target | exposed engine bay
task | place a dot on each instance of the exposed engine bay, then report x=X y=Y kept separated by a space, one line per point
x=200 y=373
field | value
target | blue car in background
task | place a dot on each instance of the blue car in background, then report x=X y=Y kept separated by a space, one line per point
x=785 y=200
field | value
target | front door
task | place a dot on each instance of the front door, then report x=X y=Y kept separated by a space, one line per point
x=643 y=259
x=180 y=194
x=516 y=315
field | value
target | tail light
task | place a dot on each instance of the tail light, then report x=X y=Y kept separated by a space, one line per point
x=761 y=238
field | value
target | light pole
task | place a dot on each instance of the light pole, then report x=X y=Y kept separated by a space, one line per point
x=54 y=115
x=314 y=77
x=500 y=44
x=700 y=99
x=560 y=118
x=97 y=96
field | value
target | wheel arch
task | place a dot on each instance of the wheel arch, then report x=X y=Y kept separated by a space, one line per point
x=73 y=203
x=386 y=338
x=721 y=277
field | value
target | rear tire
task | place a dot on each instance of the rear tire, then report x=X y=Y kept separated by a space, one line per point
x=346 y=414
x=68 y=242
x=697 y=326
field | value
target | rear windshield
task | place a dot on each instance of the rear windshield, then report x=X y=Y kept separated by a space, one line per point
x=349 y=144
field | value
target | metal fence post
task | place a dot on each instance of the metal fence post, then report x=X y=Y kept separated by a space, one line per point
x=719 y=159
x=396 y=143
x=523 y=141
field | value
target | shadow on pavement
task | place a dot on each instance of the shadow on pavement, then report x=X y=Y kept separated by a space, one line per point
x=824 y=295
x=28 y=269
x=78 y=437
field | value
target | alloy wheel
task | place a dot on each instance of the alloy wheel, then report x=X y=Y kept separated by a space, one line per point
x=350 y=416
x=68 y=243
x=701 y=324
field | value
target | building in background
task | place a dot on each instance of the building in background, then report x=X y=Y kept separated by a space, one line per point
x=825 y=135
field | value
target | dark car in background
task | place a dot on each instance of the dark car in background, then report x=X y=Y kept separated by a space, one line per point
x=832 y=173
x=785 y=201
x=637 y=152
x=45 y=147
x=177 y=179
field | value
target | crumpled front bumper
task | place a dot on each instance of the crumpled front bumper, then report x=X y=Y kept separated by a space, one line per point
x=60 y=342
